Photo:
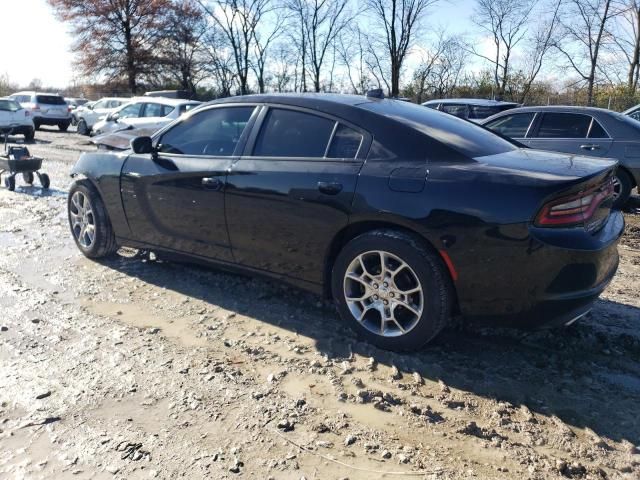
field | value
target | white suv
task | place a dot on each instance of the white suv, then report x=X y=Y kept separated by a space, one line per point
x=15 y=120
x=88 y=116
x=144 y=112
x=45 y=108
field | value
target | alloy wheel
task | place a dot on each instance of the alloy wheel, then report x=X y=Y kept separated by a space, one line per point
x=82 y=219
x=383 y=293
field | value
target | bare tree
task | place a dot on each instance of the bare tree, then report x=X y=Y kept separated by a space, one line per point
x=584 y=34
x=352 y=52
x=183 y=44
x=539 y=46
x=238 y=20
x=318 y=24
x=399 y=22
x=627 y=38
x=506 y=22
x=115 y=38
x=219 y=62
x=262 y=42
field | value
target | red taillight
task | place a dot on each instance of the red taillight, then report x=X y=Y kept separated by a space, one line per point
x=574 y=209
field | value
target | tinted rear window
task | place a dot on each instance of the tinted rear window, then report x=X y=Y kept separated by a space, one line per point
x=50 y=99
x=461 y=135
x=564 y=125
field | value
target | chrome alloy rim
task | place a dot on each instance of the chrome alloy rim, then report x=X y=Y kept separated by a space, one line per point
x=383 y=293
x=617 y=188
x=82 y=219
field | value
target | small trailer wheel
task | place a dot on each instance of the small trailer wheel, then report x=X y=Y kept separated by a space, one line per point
x=44 y=181
x=27 y=177
x=10 y=182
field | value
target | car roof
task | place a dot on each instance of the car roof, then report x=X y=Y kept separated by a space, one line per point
x=308 y=99
x=33 y=92
x=563 y=109
x=164 y=101
x=470 y=101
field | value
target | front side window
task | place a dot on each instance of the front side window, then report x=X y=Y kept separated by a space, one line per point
x=130 y=111
x=564 y=125
x=290 y=133
x=513 y=126
x=214 y=132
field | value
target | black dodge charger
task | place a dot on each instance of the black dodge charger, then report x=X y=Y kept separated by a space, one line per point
x=405 y=216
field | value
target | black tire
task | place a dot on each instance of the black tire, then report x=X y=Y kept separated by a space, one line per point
x=45 y=181
x=36 y=125
x=82 y=127
x=426 y=264
x=30 y=135
x=104 y=243
x=64 y=126
x=27 y=177
x=626 y=185
x=10 y=182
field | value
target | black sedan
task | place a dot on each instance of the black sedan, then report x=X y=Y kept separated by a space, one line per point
x=405 y=216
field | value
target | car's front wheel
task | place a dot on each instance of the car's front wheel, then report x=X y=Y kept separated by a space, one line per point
x=83 y=129
x=393 y=290
x=89 y=222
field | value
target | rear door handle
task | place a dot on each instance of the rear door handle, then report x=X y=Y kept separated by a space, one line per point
x=330 y=188
x=211 y=183
x=590 y=147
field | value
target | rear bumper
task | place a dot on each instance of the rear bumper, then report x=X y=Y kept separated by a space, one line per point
x=51 y=120
x=552 y=278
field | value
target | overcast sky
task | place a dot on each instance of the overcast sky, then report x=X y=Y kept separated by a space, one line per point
x=37 y=45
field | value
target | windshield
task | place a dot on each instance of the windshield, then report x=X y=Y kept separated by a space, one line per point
x=7 y=105
x=50 y=100
x=461 y=135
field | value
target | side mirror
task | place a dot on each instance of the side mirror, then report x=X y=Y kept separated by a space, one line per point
x=142 y=145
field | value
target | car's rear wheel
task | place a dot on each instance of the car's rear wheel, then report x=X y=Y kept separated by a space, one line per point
x=82 y=127
x=30 y=135
x=392 y=289
x=89 y=222
x=622 y=186
x=64 y=126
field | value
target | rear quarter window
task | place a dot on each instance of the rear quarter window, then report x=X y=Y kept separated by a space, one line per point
x=460 y=135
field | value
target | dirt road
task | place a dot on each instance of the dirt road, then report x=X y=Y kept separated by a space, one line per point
x=135 y=369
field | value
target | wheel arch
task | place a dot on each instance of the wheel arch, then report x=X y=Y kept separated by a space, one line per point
x=632 y=177
x=353 y=230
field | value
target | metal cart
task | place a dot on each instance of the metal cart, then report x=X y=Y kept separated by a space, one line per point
x=17 y=159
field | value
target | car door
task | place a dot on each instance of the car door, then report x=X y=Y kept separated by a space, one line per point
x=515 y=126
x=575 y=133
x=174 y=199
x=291 y=191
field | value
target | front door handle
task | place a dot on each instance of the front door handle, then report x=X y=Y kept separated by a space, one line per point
x=330 y=188
x=211 y=183
x=590 y=147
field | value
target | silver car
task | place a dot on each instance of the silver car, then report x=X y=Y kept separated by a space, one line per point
x=473 y=109
x=45 y=108
x=581 y=130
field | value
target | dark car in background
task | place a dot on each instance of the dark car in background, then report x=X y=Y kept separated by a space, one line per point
x=403 y=215
x=579 y=131
x=473 y=109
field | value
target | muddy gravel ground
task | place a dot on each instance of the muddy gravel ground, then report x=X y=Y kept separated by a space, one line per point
x=132 y=368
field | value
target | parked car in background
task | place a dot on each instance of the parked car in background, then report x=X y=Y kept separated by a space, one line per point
x=74 y=103
x=183 y=94
x=403 y=215
x=90 y=114
x=472 y=109
x=15 y=119
x=633 y=112
x=45 y=109
x=144 y=112
x=580 y=131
